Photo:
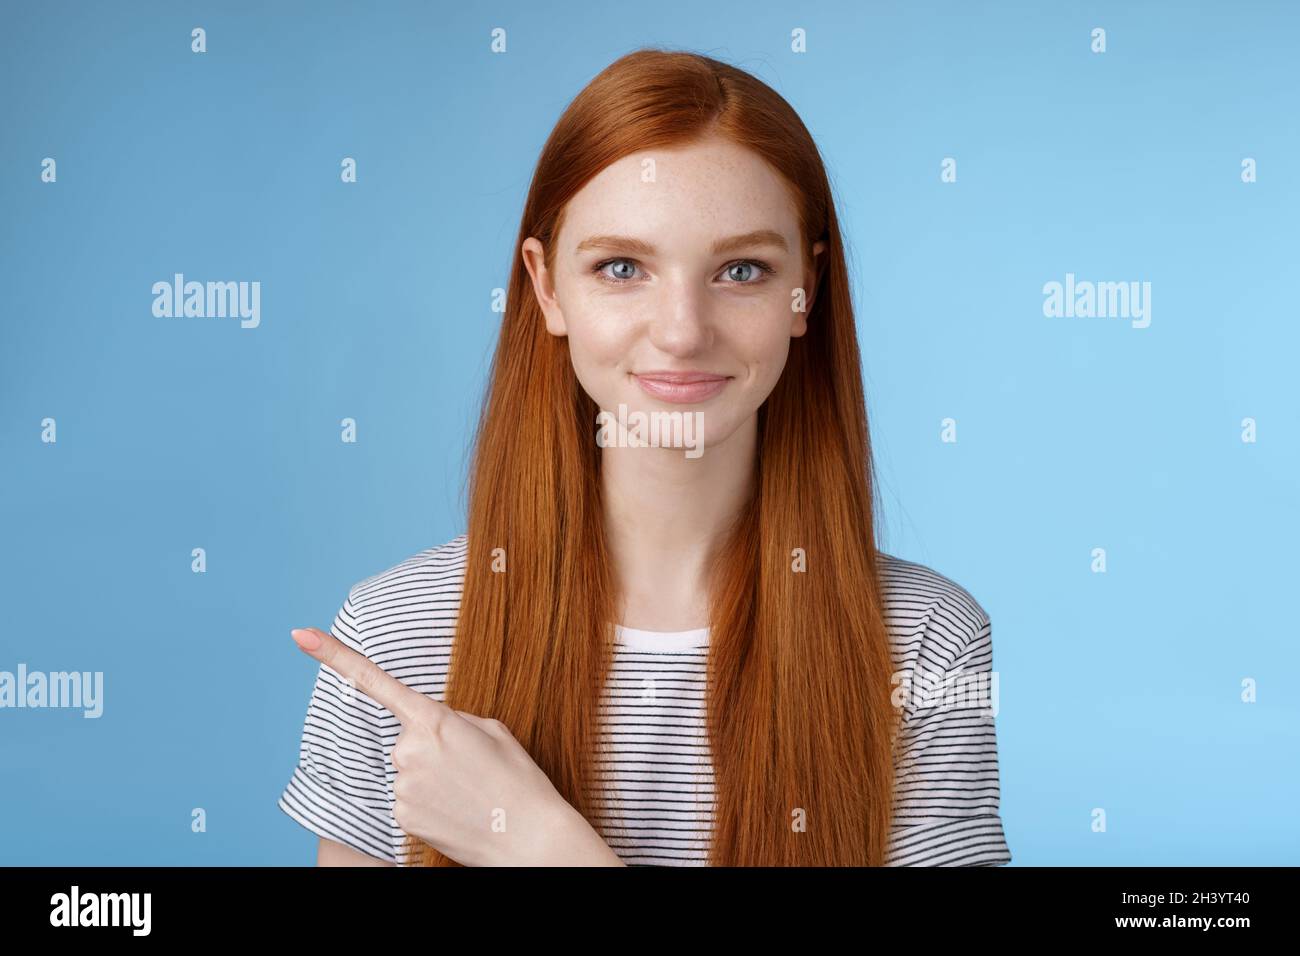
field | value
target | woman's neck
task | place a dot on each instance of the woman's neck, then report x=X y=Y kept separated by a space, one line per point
x=665 y=517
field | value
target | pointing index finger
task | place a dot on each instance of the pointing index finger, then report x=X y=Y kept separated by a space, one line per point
x=407 y=705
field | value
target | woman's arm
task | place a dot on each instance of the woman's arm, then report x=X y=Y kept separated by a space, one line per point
x=330 y=853
x=585 y=848
x=575 y=842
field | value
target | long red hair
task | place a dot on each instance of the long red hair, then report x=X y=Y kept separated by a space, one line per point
x=800 y=719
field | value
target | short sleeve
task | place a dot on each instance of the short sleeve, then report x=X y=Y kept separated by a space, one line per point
x=947 y=810
x=339 y=789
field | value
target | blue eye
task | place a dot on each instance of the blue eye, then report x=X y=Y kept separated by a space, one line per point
x=754 y=268
x=600 y=269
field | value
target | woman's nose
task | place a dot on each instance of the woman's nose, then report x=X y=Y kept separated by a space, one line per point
x=681 y=322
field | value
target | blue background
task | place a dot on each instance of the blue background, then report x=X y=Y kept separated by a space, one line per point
x=1118 y=690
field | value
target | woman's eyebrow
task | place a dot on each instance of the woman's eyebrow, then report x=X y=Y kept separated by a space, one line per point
x=747 y=240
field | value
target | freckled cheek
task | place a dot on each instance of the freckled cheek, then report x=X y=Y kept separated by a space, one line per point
x=763 y=350
x=601 y=342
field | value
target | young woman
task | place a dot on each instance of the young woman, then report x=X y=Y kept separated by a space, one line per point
x=678 y=648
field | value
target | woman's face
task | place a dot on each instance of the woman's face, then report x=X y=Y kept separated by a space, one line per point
x=674 y=278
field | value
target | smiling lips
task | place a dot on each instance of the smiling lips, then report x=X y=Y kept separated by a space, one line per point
x=681 y=388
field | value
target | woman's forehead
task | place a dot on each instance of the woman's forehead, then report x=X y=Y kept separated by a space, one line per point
x=690 y=197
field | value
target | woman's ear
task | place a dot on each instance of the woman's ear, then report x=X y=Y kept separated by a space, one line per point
x=534 y=255
x=800 y=324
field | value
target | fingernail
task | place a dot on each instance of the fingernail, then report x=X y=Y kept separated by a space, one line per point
x=305 y=639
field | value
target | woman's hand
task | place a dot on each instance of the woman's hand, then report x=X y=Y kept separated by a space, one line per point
x=464 y=785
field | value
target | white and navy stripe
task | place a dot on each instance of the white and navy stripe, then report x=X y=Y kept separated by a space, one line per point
x=654 y=746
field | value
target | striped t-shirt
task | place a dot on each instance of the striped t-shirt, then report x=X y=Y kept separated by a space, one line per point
x=660 y=780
